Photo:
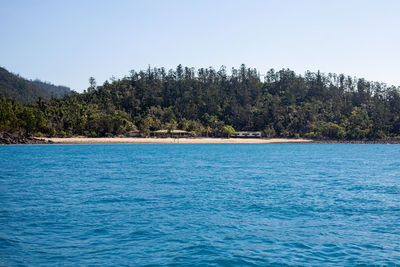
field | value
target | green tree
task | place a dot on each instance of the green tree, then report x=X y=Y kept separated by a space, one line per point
x=228 y=130
x=358 y=124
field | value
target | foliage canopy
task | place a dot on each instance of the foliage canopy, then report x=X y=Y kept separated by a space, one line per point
x=205 y=101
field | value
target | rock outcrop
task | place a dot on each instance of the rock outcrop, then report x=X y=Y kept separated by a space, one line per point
x=18 y=138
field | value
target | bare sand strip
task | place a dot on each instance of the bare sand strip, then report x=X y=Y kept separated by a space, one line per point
x=134 y=140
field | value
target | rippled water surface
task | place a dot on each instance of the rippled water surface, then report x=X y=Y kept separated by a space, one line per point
x=199 y=204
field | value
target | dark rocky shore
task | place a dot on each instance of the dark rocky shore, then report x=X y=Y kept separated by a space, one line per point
x=18 y=138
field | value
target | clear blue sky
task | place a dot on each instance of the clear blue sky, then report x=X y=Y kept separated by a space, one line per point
x=66 y=42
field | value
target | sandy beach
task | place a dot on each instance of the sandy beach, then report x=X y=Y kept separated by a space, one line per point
x=134 y=140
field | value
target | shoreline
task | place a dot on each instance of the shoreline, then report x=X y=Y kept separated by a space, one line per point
x=30 y=139
x=206 y=140
x=200 y=140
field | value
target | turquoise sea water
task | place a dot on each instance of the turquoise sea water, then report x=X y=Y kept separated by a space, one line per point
x=287 y=204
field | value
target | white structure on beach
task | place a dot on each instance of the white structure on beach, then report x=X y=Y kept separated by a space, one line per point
x=247 y=135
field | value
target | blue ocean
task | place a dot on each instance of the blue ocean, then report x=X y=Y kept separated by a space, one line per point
x=199 y=205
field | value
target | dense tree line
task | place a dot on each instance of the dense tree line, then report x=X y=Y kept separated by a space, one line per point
x=207 y=101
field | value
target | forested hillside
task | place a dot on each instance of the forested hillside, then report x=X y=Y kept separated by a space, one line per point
x=51 y=89
x=26 y=91
x=203 y=101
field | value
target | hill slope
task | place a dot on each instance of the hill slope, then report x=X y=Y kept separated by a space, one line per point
x=25 y=91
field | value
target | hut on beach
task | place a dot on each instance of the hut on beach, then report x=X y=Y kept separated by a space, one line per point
x=170 y=133
x=134 y=133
